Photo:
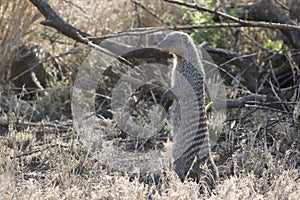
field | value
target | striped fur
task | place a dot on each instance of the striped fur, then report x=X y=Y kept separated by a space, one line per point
x=191 y=148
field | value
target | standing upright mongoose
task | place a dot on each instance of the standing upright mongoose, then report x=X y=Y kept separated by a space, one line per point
x=191 y=147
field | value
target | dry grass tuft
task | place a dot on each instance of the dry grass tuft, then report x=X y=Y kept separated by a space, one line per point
x=42 y=157
x=16 y=22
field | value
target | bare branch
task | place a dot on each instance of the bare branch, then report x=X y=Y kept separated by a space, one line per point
x=53 y=20
x=243 y=23
x=240 y=102
x=245 y=63
x=267 y=10
x=152 y=13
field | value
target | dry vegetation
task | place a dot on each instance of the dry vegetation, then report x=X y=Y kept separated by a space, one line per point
x=42 y=157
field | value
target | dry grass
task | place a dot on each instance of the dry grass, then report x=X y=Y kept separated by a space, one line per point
x=16 y=22
x=67 y=170
x=258 y=152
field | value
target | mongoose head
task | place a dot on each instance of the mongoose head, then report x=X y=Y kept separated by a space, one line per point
x=175 y=42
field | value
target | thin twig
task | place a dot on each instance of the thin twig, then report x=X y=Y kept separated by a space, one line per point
x=152 y=13
x=149 y=30
x=269 y=108
x=234 y=19
x=37 y=151
x=258 y=44
x=282 y=5
x=53 y=20
x=103 y=50
x=137 y=13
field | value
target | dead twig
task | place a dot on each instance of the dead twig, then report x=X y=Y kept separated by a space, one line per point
x=244 y=23
x=60 y=128
x=53 y=20
x=37 y=151
x=152 y=13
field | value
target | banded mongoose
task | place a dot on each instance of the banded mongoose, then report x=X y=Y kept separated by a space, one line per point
x=191 y=147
